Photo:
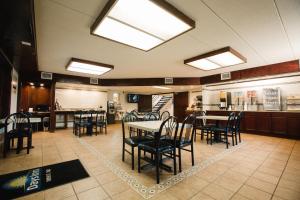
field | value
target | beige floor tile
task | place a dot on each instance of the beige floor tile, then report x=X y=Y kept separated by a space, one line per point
x=292 y=185
x=182 y=191
x=201 y=196
x=115 y=187
x=217 y=192
x=238 y=197
x=93 y=194
x=59 y=192
x=74 y=197
x=253 y=193
x=262 y=185
x=229 y=183
x=85 y=184
x=287 y=193
x=128 y=194
x=266 y=177
x=106 y=177
x=34 y=196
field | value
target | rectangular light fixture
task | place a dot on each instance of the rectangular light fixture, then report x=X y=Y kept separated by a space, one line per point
x=88 y=67
x=143 y=24
x=161 y=87
x=216 y=59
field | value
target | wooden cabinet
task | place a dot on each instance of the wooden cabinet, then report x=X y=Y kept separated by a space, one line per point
x=280 y=124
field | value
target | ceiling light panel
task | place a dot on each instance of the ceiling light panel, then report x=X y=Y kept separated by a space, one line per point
x=216 y=59
x=143 y=24
x=88 y=67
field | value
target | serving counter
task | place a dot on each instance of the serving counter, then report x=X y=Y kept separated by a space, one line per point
x=274 y=123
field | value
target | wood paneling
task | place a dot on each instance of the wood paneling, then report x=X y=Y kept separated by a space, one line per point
x=32 y=96
x=279 y=124
x=181 y=102
x=145 y=103
x=5 y=86
x=267 y=70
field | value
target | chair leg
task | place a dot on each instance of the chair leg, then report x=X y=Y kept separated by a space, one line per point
x=28 y=144
x=179 y=158
x=174 y=161
x=123 y=152
x=157 y=167
x=139 y=160
x=235 y=136
x=192 y=152
x=105 y=129
x=240 y=137
x=232 y=139
x=132 y=158
x=226 y=137
x=202 y=134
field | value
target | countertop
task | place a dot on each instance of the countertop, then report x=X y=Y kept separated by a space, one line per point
x=283 y=111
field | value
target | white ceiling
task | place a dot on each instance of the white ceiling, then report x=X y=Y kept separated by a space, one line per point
x=264 y=31
x=130 y=89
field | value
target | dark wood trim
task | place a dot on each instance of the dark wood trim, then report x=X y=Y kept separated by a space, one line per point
x=52 y=108
x=161 y=3
x=256 y=72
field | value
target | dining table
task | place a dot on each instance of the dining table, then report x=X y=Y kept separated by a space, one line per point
x=33 y=120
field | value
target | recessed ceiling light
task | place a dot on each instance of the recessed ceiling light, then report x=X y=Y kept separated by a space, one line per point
x=143 y=24
x=161 y=87
x=216 y=59
x=32 y=84
x=42 y=84
x=88 y=67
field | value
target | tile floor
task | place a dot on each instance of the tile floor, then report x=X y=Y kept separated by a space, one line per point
x=259 y=168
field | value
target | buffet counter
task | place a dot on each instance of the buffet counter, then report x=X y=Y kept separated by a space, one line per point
x=274 y=123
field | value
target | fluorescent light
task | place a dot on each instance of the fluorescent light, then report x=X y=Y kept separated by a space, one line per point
x=143 y=24
x=119 y=32
x=26 y=43
x=88 y=67
x=204 y=64
x=161 y=87
x=216 y=59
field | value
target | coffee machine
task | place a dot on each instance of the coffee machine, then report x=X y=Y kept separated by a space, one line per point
x=225 y=100
x=111 y=112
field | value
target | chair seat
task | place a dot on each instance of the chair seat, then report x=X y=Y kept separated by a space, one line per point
x=15 y=133
x=83 y=123
x=135 y=140
x=151 y=146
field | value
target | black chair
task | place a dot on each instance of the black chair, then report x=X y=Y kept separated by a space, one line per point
x=82 y=121
x=101 y=121
x=164 y=115
x=186 y=137
x=163 y=144
x=17 y=126
x=150 y=117
x=237 y=125
x=201 y=125
x=226 y=132
x=132 y=137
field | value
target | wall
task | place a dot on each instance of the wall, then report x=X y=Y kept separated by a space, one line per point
x=82 y=99
x=289 y=86
x=126 y=107
x=14 y=92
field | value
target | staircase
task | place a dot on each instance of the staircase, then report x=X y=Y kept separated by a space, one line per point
x=163 y=101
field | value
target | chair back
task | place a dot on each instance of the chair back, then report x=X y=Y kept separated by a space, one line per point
x=78 y=116
x=100 y=116
x=168 y=130
x=130 y=117
x=164 y=115
x=230 y=122
x=237 y=124
x=187 y=129
x=199 y=122
x=150 y=117
x=17 y=122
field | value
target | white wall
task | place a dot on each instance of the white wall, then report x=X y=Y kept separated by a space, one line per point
x=83 y=99
x=126 y=107
x=14 y=92
x=289 y=86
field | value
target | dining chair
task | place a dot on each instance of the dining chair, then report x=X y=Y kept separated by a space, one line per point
x=150 y=117
x=17 y=126
x=164 y=115
x=201 y=125
x=101 y=121
x=163 y=144
x=237 y=126
x=131 y=137
x=81 y=122
x=227 y=131
x=186 y=138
